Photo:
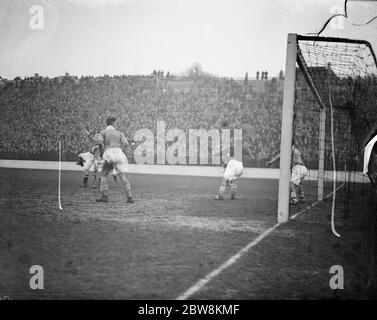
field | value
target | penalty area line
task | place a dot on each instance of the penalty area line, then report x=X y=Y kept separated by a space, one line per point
x=201 y=283
x=204 y=281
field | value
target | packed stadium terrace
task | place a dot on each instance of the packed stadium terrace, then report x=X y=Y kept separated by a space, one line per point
x=36 y=113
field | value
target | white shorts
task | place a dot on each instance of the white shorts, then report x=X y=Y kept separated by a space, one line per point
x=97 y=165
x=233 y=170
x=117 y=158
x=299 y=173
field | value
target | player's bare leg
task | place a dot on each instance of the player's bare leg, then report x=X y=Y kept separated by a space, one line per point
x=126 y=187
x=104 y=186
x=222 y=188
x=95 y=184
x=300 y=192
x=85 y=179
x=233 y=189
x=96 y=181
x=293 y=196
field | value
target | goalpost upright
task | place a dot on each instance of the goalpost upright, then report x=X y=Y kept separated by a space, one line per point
x=287 y=131
x=286 y=128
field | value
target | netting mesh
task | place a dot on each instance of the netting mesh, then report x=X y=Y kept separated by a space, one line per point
x=344 y=71
x=334 y=117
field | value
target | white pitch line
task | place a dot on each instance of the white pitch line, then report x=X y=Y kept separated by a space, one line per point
x=315 y=203
x=202 y=282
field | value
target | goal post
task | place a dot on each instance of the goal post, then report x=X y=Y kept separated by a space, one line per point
x=329 y=110
x=287 y=131
x=287 y=128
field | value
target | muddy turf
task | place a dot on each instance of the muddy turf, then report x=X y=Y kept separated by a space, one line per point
x=171 y=237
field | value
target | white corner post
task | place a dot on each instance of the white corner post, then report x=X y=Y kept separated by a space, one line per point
x=287 y=128
x=321 y=159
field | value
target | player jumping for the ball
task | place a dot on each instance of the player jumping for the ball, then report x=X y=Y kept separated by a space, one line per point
x=298 y=174
x=113 y=157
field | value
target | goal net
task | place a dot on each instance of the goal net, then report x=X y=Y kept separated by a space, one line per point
x=330 y=114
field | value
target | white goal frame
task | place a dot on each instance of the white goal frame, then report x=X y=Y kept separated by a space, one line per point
x=287 y=131
x=295 y=59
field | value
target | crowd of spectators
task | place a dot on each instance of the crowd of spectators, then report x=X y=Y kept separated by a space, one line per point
x=33 y=118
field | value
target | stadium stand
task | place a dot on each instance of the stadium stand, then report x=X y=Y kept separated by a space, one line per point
x=35 y=112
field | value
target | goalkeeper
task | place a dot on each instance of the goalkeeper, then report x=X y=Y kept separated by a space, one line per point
x=298 y=174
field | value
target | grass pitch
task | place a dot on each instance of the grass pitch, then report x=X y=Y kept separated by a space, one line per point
x=171 y=237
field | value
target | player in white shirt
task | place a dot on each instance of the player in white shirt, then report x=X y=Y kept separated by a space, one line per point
x=232 y=172
x=298 y=174
x=93 y=160
x=88 y=160
x=232 y=168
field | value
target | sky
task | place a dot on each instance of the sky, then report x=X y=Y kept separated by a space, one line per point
x=227 y=37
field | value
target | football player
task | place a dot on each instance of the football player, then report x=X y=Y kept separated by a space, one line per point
x=298 y=174
x=114 y=158
x=232 y=172
x=87 y=160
